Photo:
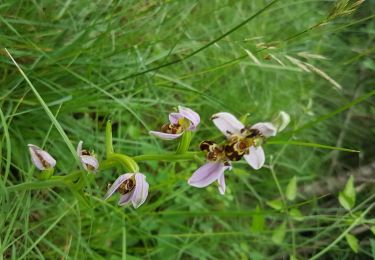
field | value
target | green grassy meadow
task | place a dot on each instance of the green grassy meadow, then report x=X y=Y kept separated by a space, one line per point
x=67 y=67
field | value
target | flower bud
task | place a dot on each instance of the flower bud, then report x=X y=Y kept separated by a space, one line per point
x=40 y=158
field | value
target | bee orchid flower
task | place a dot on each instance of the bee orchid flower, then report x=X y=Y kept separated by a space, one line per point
x=88 y=160
x=133 y=188
x=185 y=120
x=40 y=158
x=244 y=141
x=213 y=170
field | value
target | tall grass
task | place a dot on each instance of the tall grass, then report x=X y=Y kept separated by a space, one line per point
x=84 y=62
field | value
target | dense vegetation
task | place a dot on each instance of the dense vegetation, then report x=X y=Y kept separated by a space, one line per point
x=133 y=62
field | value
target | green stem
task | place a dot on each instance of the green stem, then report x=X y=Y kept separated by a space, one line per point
x=53 y=182
x=167 y=157
x=184 y=143
x=108 y=138
x=125 y=161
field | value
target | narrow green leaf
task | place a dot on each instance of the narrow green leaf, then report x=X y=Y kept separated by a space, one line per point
x=258 y=220
x=352 y=242
x=347 y=196
x=275 y=204
x=291 y=189
x=279 y=234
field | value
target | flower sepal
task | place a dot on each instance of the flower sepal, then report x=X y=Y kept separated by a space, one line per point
x=45 y=174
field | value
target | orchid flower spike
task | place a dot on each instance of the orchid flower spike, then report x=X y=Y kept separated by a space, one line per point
x=244 y=141
x=133 y=187
x=213 y=170
x=185 y=120
x=88 y=160
x=40 y=158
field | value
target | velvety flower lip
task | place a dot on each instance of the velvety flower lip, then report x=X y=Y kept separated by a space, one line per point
x=208 y=173
x=227 y=123
x=89 y=162
x=133 y=188
x=184 y=120
x=40 y=158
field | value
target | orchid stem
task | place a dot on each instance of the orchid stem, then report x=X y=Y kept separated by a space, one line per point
x=125 y=161
x=167 y=157
x=53 y=182
x=108 y=138
x=184 y=143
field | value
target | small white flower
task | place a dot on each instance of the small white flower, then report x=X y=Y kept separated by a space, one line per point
x=40 y=158
x=89 y=162
x=244 y=141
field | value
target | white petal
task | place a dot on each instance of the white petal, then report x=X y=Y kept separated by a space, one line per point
x=281 y=121
x=126 y=198
x=36 y=152
x=191 y=115
x=117 y=184
x=165 y=136
x=140 y=190
x=89 y=160
x=222 y=185
x=206 y=174
x=255 y=157
x=266 y=128
x=227 y=123
x=79 y=148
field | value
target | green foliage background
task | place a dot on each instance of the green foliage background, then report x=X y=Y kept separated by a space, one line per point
x=96 y=60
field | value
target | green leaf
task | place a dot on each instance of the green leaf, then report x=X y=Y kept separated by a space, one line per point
x=279 y=234
x=275 y=204
x=291 y=189
x=296 y=214
x=347 y=196
x=373 y=229
x=258 y=221
x=372 y=242
x=352 y=242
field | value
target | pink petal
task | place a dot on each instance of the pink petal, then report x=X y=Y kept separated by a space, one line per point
x=89 y=160
x=165 y=136
x=174 y=117
x=35 y=151
x=191 y=115
x=266 y=128
x=222 y=185
x=117 y=184
x=140 y=190
x=255 y=157
x=227 y=123
x=206 y=174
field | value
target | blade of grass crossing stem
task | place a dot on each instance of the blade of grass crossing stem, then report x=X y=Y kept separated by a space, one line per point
x=339 y=110
x=47 y=110
x=314 y=145
x=8 y=146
